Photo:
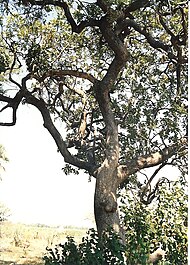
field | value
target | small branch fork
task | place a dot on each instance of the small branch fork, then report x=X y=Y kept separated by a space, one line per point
x=147 y=190
x=11 y=103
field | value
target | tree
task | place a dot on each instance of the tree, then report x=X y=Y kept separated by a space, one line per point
x=115 y=73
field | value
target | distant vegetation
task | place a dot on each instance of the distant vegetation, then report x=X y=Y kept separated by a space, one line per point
x=26 y=244
x=4 y=212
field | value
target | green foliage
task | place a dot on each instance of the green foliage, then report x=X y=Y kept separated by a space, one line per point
x=92 y=250
x=164 y=223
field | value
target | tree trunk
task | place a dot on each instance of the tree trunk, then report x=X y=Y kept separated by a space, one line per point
x=105 y=203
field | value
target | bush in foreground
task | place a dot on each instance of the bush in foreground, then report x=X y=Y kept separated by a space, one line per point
x=147 y=227
x=92 y=250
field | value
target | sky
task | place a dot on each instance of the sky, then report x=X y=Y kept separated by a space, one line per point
x=34 y=187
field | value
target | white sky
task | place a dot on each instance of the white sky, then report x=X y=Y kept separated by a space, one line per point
x=34 y=187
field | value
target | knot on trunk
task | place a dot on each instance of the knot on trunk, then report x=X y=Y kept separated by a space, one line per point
x=110 y=203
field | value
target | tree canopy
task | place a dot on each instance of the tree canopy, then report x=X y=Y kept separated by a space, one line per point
x=114 y=72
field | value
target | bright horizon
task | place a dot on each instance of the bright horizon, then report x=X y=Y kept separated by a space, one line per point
x=33 y=186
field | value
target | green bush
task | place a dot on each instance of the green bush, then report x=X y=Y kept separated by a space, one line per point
x=147 y=227
x=160 y=224
x=93 y=251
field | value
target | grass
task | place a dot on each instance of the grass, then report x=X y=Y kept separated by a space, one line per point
x=26 y=244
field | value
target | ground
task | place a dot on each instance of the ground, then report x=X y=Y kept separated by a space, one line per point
x=26 y=244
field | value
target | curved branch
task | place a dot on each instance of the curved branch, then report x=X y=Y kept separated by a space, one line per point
x=103 y=5
x=11 y=70
x=48 y=124
x=113 y=71
x=153 y=43
x=113 y=40
x=152 y=193
x=136 y=5
x=156 y=172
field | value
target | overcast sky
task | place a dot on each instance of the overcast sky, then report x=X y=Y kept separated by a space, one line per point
x=34 y=187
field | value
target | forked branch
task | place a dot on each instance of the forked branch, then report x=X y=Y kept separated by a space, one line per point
x=11 y=103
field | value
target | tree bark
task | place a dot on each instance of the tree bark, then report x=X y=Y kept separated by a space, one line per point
x=105 y=202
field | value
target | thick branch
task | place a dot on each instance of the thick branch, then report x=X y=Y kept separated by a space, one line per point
x=112 y=145
x=136 y=5
x=153 y=43
x=48 y=124
x=11 y=103
x=150 y=160
x=113 y=71
x=113 y=40
x=103 y=5
x=5 y=98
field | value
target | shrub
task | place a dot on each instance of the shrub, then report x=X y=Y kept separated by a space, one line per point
x=147 y=227
x=92 y=251
x=160 y=224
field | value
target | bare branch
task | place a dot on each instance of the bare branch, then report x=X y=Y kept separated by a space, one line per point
x=113 y=71
x=156 y=172
x=113 y=40
x=153 y=43
x=12 y=103
x=103 y=5
x=11 y=70
x=136 y=5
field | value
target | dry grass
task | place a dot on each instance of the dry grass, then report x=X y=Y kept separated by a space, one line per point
x=24 y=244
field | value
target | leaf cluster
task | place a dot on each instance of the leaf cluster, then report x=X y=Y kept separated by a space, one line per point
x=161 y=224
